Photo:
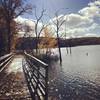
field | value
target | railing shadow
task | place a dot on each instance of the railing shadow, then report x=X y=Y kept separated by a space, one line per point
x=36 y=74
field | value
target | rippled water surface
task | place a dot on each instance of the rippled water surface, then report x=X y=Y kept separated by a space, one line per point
x=79 y=76
x=84 y=62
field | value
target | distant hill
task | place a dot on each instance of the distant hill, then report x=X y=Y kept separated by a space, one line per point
x=30 y=42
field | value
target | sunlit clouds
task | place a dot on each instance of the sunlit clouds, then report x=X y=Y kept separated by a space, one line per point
x=86 y=22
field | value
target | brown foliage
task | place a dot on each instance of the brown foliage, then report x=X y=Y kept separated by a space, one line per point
x=9 y=10
x=48 y=41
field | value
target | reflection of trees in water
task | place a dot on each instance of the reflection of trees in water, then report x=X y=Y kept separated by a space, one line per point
x=70 y=87
x=54 y=70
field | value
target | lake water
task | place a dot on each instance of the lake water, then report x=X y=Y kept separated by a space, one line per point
x=79 y=76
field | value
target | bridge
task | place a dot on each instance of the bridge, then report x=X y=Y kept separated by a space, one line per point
x=24 y=77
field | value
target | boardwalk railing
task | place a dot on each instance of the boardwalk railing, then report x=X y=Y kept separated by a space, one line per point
x=4 y=60
x=36 y=73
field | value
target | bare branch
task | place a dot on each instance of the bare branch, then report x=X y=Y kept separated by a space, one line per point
x=43 y=27
x=61 y=23
x=39 y=18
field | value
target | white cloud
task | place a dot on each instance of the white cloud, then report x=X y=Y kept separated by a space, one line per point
x=82 y=22
x=75 y=20
x=91 y=35
x=92 y=10
x=30 y=23
x=60 y=17
x=96 y=3
x=20 y=19
x=81 y=30
x=24 y=21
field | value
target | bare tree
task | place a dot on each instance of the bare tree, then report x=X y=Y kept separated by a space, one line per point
x=12 y=9
x=58 y=22
x=37 y=26
x=65 y=38
x=48 y=41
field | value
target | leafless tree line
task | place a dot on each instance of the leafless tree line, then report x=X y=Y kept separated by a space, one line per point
x=11 y=9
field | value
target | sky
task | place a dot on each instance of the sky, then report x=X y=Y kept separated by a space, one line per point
x=52 y=6
x=82 y=16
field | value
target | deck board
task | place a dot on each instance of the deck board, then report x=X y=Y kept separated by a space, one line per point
x=12 y=81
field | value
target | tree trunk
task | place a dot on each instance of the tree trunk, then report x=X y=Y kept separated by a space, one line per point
x=9 y=36
x=60 y=57
x=36 y=45
x=70 y=50
x=70 y=47
x=67 y=50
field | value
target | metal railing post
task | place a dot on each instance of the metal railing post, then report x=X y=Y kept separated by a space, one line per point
x=36 y=73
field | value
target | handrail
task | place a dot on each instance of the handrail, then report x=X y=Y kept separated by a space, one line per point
x=36 y=74
x=4 y=60
x=36 y=60
x=5 y=56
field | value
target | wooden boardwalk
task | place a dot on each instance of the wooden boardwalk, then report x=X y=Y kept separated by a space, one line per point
x=13 y=85
x=12 y=81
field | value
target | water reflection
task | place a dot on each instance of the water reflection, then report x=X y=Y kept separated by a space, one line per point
x=79 y=76
x=80 y=64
